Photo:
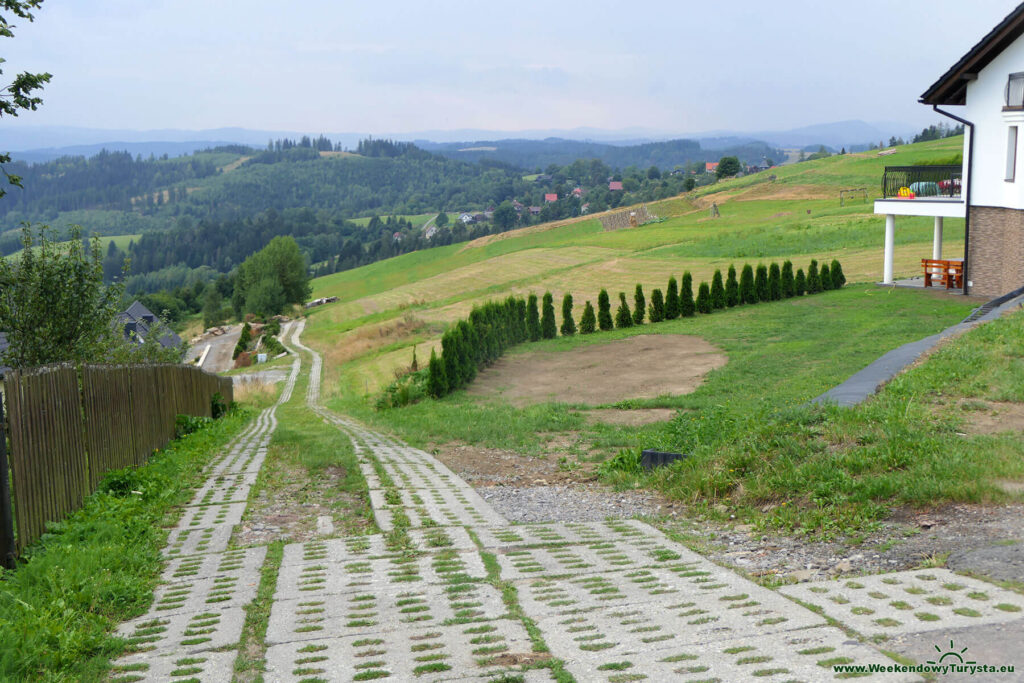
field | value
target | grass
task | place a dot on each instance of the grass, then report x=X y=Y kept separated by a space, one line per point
x=99 y=566
x=120 y=240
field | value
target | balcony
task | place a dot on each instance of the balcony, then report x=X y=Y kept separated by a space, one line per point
x=933 y=183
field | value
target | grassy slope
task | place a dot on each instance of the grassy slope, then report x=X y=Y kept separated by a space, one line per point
x=120 y=240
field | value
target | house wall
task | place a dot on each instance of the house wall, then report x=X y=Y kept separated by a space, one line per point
x=996 y=252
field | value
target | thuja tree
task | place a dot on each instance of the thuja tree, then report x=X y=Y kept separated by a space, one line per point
x=568 y=324
x=732 y=288
x=657 y=312
x=813 y=278
x=703 y=298
x=672 y=309
x=774 y=282
x=548 y=329
x=761 y=283
x=686 y=303
x=788 y=284
x=622 y=316
x=437 y=380
x=838 y=278
x=717 y=290
x=532 y=318
x=825 y=278
x=800 y=283
x=604 y=311
x=588 y=321
x=747 y=292
x=639 y=305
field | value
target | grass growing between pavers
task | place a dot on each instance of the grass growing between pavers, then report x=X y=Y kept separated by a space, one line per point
x=100 y=565
x=250 y=664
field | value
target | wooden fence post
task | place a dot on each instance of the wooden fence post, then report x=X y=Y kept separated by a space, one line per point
x=7 y=549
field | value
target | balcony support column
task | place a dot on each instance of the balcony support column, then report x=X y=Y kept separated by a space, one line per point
x=890 y=241
x=937 y=239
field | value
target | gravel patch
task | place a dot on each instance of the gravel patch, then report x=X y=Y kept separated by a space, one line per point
x=569 y=503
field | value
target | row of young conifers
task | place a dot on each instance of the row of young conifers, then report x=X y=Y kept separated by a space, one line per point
x=493 y=327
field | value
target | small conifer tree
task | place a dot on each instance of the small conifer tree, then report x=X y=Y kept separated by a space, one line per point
x=437 y=382
x=568 y=324
x=838 y=279
x=813 y=279
x=657 y=312
x=686 y=303
x=672 y=309
x=774 y=282
x=800 y=283
x=532 y=318
x=748 y=294
x=703 y=298
x=588 y=321
x=623 y=318
x=825 y=278
x=717 y=291
x=761 y=283
x=788 y=285
x=548 y=329
x=732 y=288
x=604 y=311
x=639 y=305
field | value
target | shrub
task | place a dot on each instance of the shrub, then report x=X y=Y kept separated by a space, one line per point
x=672 y=309
x=604 y=311
x=838 y=278
x=547 y=317
x=686 y=304
x=732 y=288
x=813 y=279
x=437 y=381
x=218 y=406
x=788 y=285
x=186 y=424
x=657 y=312
x=639 y=305
x=748 y=294
x=622 y=316
x=774 y=282
x=273 y=327
x=717 y=291
x=246 y=336
x=532 y=318
x=704 y=298
x=588 y=321
x=405 y=390
x=568 y=324
x=825 y=278
x=761 y=283
x=800 y=283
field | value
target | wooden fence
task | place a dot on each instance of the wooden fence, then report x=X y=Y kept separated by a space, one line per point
x=69 y=426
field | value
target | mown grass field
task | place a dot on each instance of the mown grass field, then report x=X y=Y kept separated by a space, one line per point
x=120 y=240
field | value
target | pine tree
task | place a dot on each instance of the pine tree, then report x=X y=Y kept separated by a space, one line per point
x=788 y=286
x=437 y=382
x=604 y=311
x=547 y=317
x=672 y=309
x=747 y=292
x=800 y=283
x=588 y=321
x=450 y=358
x=761 y=283
x=622 y=316
x=825 y=278
x=703 y=298
x=774 y=282
x=532 y=318
x=838 y=278
x=717 y=290
x=568 y=324
x=813 y=279
x=657 y=312
x=732 y=288
x=639 y=305
x=686 y=303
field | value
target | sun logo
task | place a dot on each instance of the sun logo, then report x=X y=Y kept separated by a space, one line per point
x=952 y=653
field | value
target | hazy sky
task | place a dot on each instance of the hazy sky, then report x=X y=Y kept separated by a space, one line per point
x=390 y=67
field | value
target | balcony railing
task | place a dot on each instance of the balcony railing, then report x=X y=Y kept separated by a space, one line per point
x=922 y=182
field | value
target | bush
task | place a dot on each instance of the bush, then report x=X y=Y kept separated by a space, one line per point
x=748 y=294
x=273 y=327
x=717 y=291
x=788 y=285
x=774 y=282
x=813 y=278
x=639 y=306
x=838 y=278
x=622 y=316
x=568 y=324
x=704 y=298
x=246 y=335
x=604 y=311
x=761 y=283
x=825 y=278
x=437 y=381
x=800 y=283
x=686 y=304
x=627 y=460
x=218 y=406
x=532 y=318
x=732 y=288
x=588 y=322
x=186 y=424
x=672 y=309
x=657 y=312
x=547 y=317
x=403 y=391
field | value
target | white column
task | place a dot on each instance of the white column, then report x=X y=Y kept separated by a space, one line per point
x=937 y=239
x=890 y=232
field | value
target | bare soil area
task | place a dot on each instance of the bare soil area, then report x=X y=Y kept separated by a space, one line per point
x=603 y=373
x=631 y=418
x=990 y=417
x=494 y=467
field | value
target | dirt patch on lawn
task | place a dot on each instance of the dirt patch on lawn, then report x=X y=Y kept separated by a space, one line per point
x=495 y=467
x=990 y=417
x=646 y=366
x=787 y=192
x=631 y=418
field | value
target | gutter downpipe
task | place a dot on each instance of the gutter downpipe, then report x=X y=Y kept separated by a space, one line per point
x=967 y=191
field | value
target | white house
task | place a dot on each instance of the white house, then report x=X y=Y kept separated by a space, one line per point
x=986 y=86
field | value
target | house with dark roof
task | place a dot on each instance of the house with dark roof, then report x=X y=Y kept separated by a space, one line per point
x=136 y=323
x=986 y=86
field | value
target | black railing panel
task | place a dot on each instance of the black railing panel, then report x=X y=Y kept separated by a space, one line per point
x=922 y=182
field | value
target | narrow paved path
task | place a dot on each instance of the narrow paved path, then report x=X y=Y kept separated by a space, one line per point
x=451 y=591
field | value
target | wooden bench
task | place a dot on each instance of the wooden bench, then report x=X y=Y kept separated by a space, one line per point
x=948 y=272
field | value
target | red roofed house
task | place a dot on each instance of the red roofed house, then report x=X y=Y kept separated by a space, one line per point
x=578 y=192
x=710 y=166
x=615 y=185
x=551 y=197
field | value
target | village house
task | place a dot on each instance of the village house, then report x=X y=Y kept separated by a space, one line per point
x=550 y=197
x=710 y=166
x=615 y=186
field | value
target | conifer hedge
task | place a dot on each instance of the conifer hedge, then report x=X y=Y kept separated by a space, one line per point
x=813 y=278
x=761 y=283
x=732 y=288
x=703 y=298
x=825 y=278
x=568 y=324
x=748 y=294
x=548 y=329
x=774 y=282
x=687 y=306
x=788 y=285
x=657 y=311
x=800 y=283
x=639 y=305
x=604 y=312
x=588 y=321
x=838 y=278
x=623 y=318
x=672 y=309
x=533 y=318
x=717 y=291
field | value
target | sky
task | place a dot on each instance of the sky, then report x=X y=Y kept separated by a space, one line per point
x=395 y=67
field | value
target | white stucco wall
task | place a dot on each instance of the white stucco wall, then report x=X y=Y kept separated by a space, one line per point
x=985 y=100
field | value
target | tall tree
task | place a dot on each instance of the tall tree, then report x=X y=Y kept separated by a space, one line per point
x=275 y=276
x=728 y=167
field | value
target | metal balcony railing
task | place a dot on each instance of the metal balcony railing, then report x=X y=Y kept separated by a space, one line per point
x=922 y=182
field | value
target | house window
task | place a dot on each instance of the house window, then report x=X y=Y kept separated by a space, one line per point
x=1011 y=153
x=1015 y=90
